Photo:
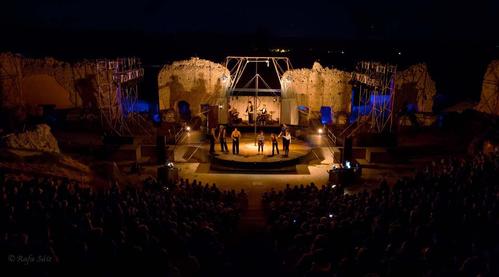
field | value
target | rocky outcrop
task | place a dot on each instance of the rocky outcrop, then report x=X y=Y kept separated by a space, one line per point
x=415 y=86
x=319 y=86
x=195 y=81
x=38 y=139
x=489 y=99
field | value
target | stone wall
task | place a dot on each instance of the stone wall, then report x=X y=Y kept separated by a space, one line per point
x=319 y=86
x=489 y=99
x=415 y=86
x=28 y=82
x=195 y=81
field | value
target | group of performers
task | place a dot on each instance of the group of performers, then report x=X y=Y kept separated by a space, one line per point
x=221 y=137
x=262 y=117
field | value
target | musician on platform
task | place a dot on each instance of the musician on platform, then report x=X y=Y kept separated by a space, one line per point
x=261 y=141
x=222 y=133
x=263 y=115
x=236 y=136
x=249 y=111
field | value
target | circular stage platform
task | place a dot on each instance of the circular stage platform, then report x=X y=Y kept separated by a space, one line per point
x=249 y=159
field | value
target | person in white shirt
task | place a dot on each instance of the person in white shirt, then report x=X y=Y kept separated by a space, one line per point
x=286 y=140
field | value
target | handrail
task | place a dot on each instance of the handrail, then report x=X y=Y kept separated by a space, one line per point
x=331 y=136
x=179 y=135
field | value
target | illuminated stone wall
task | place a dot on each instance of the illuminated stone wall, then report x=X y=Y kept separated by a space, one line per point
x=489 y=99
x=319 y=86
x=26 y=82
x=195 y=81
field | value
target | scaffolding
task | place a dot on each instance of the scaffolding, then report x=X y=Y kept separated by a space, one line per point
x=376 y=95
x=237 y=66
x=118 y=86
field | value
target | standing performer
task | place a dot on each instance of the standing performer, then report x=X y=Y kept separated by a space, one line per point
x=275 y=143
x=236 y=135
x=286 y=139
x=261 y=140
x=212 y=138
x=284 y=128
x=249 y=111
x=222 y=133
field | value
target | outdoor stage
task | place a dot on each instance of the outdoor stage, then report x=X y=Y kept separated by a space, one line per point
x=249 y=159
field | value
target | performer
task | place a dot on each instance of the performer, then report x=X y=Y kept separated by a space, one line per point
x=249 y=111
x=236 y=135
x=275 y=143
x=261 y=140
x=212 y=138
x=284 y=128
x=222 y=133
x=234 y=115
x=263 y=115
x=286 y=139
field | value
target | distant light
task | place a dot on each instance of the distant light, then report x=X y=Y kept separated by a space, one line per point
x=331 y=215
x=342 y=52
x=274 y=99
x=319 y=130
x=348 y=165
x=400 y=53
x=333 y=186
x=188 y=128
x=170 y=165
x=220 y=106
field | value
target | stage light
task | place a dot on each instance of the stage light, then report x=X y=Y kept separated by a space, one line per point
x=333 y=186
x=320 y=131
x=331 y=215
x=188 y=128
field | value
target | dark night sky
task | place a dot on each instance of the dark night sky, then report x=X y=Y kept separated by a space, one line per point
x=385 y=19
x=456 y=40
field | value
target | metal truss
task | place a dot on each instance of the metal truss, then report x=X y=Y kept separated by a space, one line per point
x=117 y=81
x=376 y=82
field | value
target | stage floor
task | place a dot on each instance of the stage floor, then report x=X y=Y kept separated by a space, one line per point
x=248 y=151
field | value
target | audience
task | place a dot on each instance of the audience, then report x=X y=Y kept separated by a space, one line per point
x=442 y=222
x=174 y=231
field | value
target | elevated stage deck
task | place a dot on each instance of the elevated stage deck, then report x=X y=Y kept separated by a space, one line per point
x=249 y=159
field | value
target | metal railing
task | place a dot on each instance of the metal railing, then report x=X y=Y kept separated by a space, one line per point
x=331 y=136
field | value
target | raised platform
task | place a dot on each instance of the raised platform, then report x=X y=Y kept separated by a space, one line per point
x=249 y=159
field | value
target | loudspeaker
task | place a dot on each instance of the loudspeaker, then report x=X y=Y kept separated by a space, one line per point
x=167 y=176
x=161 y=149
x=347 y=150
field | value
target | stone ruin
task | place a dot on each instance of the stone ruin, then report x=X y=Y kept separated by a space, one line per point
x=489 y=99
x=415 y=86
x=317 y=87
x=26 y=83
x=195 y=81
x=38 y=139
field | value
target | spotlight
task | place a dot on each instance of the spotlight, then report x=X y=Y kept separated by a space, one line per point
x=188 y=128
x=320 y=131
